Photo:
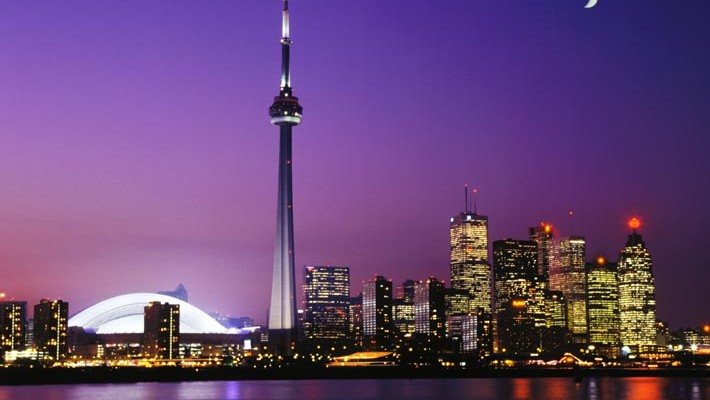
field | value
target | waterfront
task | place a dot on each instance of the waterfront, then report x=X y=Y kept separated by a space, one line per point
x=592 y=388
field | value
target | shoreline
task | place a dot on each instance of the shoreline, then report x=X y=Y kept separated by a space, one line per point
x=51 y=376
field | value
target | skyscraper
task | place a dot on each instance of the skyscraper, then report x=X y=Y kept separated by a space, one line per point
x=514 y=275
x=603 y=307
x=542 y=235
x=377 y=314
x=161 y=330
x=327 y=296
x=514 y=270
x=637 y=299
x=567 y=275
x=403 y=309
x=356 y=320
x=555 y=335
x=469 y=257
x=516 y=333
x=13 y=325
x=286 y=113
x=430 y=308
x=50 y=328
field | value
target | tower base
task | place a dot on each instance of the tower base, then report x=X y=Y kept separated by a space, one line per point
x=282 y=342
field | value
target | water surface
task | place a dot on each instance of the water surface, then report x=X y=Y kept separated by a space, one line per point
x=642 y=388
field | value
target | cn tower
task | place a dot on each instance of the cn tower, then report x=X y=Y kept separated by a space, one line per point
x=285 y=113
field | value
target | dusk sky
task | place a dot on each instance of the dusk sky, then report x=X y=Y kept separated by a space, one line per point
x=136 y=151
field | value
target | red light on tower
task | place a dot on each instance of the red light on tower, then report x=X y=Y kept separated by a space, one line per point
x=634 y=223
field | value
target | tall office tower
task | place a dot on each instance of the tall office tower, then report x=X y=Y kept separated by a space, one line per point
x=50 y=328
x=377 y=314
x=542 y=235
x=356 y=320
x=161 y=330
x=637 y=299
x=514 y=276
x=603 y=307
x=327 y=295
x=13 y=325
x=514 y=270
x=469 y=256
x=179 y=293
x=567 y=275
x=430 y=308
x=286 y=113
x=403 y=309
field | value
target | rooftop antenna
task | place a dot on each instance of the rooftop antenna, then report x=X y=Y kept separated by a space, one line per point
x=475 y=208
x=465 y=194
x=571 y=223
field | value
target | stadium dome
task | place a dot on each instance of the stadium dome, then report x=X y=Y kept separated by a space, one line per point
x=124 y=314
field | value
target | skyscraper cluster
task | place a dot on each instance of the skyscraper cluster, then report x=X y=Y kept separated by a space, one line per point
x=539 y=296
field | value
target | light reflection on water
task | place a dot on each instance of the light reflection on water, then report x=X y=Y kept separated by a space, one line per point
x=641 y=388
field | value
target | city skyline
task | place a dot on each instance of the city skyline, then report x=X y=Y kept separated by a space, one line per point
x=134 y=149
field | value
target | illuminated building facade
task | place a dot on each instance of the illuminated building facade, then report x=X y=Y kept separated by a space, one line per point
x=542 y=235
x=555 y=335
x=470 y=269
x=13 y=325
x=603 y=307
x=637 y=300
x=514 y=273
x=50 y=328
x=377 y=314
x=403 y=309
x=356 y=320
x=458 y=302
x=286 y=113
x=430 y=308
x=514 y=270
x=567 y=275
x=161 y=333
x=327 y=298
x=462 y=331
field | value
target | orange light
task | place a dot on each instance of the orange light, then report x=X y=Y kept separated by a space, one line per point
x=547 y=228
x=634 y=223
x=706 y=328
x=518 y=303
x=601 y=260
x=2 y=295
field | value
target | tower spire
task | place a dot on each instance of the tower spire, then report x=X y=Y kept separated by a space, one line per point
x=285 y=52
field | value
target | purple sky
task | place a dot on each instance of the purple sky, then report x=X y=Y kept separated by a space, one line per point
x=136 y=153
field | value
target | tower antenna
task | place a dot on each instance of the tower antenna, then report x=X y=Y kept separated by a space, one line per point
x=465 y=195
x=475 y=207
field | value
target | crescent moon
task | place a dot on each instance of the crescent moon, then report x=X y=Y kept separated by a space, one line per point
x=591 y=4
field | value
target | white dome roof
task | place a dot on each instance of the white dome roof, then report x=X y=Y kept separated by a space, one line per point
x=124 y=314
